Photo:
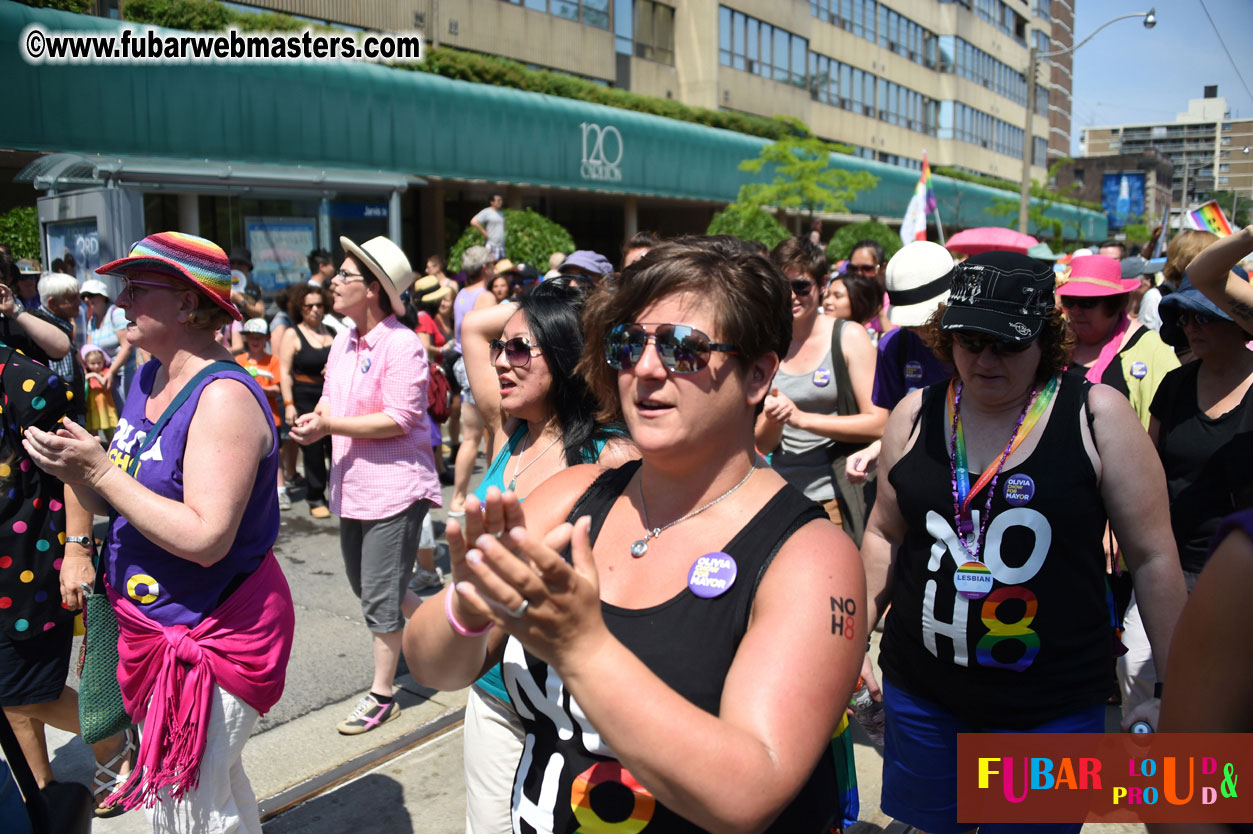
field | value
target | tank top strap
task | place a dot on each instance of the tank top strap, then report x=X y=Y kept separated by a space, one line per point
x=598 y=498
x=305 y=344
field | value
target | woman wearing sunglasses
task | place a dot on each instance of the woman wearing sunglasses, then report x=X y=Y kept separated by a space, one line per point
x=986 y=539
x=802 y=422
x=1109 y=346
x=680 y=651
x=520 y=360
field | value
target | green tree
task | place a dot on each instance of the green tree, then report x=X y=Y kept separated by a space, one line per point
x=846 y=237
x=529 y=239
x=205 y=16
x=1242 y=203
x=748 y=223
x=75 y=6
x=804 y=178
x=19 y=227
x=1043 y=199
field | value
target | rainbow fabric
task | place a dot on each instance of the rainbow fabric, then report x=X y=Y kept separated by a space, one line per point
x=1209 y=217
x=195 y=259
x=924 y=185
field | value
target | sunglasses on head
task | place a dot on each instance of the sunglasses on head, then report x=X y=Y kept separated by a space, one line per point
x=1082 y=302
x=682 y=349
x=1199 y=319
x=801 y=287
x=517 y=350
x=978 y=342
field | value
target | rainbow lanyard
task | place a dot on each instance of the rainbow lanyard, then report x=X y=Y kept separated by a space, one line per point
x=963 y=493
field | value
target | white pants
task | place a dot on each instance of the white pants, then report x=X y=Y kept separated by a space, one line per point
x=493 y=748
x=1136 y=672
x=223 y=803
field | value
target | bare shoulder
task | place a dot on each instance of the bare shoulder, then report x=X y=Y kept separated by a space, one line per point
x=618 y=450
x=550 y=504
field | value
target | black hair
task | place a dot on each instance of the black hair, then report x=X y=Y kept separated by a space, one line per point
x=554 y=315
x=318 y=258
x=873 y=245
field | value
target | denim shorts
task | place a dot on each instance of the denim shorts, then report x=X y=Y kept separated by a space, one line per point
x=920 y=763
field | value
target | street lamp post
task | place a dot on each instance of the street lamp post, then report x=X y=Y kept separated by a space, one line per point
x=1033 y=59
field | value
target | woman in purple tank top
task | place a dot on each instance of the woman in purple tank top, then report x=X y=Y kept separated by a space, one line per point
x=204 y=612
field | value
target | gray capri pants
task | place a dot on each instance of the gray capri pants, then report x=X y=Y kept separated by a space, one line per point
x=378 y=558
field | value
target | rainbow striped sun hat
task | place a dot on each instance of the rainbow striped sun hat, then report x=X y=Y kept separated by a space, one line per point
x=197 y=261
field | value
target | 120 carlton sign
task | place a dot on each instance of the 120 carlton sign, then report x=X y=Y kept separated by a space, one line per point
x=602 y=153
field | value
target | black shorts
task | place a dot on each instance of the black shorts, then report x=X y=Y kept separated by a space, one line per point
x=33 y=671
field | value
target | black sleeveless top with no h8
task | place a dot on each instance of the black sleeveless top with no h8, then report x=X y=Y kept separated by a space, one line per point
x=568 y=778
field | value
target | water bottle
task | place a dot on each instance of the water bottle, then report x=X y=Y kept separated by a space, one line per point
x=869 y=713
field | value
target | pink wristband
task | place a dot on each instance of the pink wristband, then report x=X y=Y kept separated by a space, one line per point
x=452 y=618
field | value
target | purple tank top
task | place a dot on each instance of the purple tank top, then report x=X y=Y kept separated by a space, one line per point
x=169 y=589
x=1242 y=521
x=462 y=305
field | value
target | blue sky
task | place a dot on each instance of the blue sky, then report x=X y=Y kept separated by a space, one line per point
x=1129 y=74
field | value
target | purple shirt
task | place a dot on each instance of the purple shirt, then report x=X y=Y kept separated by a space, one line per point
x=169 y=589
x=463 y=304
x=904 y=364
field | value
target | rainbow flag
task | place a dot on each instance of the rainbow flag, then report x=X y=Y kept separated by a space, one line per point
x=922 y=203
x=924 y=184
x=1208 y=217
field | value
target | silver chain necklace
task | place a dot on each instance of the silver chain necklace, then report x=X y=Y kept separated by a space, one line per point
x=513 y=482
x=640 y=547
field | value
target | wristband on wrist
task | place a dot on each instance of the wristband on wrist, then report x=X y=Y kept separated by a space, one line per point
x=1157 y=690
x=452 y=618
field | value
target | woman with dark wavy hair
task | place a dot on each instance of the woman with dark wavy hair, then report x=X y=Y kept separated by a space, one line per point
x=520 y=359
x=986 y=539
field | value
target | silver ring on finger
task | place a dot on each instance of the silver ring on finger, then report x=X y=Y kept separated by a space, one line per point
x=517 y=613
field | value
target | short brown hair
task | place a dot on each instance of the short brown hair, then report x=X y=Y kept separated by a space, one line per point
x=1056 y=342
x=296 y=301
x=1182 y=249
x=865 y=295
x=803 y=255
x=207 y=315
x=750 y=298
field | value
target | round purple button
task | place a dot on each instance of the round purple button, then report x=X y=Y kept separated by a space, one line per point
x=712 y=575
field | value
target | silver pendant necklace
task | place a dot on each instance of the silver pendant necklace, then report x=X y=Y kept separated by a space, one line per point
x=640 y=546
x=513 y=482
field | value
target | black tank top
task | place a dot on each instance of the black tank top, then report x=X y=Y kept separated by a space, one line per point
x=1038 y=646
x=568 y=778
x=309 y=360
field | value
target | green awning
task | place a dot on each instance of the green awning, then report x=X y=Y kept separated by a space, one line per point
x=353 y=115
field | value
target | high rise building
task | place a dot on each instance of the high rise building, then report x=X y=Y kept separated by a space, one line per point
x=1210 y=150
x=888 y=78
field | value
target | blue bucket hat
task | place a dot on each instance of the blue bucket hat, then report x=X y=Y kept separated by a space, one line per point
x=1189 y=298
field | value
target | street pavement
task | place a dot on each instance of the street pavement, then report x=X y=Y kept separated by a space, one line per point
x=402 y=778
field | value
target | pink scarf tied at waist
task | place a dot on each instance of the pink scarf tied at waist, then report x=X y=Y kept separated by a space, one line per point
x=167 y=675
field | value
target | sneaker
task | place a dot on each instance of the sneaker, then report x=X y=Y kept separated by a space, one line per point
x=320 y=511
x=426 y=580
x=367 y=715
x=284 y=503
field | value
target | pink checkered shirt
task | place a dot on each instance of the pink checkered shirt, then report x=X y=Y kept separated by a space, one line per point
x=385 y=370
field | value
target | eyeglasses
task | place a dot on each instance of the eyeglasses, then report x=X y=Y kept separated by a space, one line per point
x=317 y=305
x=344 y=275
x=1199 y=319
x=862 y=269
x=683 y=349
x=517 y=350
x=802 y=289
x=978 y=342
x=129 y=284
x=1083 y=303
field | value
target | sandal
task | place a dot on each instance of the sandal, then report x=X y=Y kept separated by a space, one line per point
x=108 y=779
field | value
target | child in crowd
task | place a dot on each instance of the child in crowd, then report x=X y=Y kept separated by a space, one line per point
x=264 y=367
x=101 y=410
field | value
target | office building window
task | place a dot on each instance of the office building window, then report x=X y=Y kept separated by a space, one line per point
x=1042 y=9
x=1040 y=41
x=590 y=12
x=878 y=24
x=959 y=57
x=1039 y=152
x=964 y=123
x=751 y=45
x=654 y=31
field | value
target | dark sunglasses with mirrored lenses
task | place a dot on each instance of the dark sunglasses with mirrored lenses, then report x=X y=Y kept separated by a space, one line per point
x=978 y=342
x=682 y=349
x=1082 y=302
x=1199 y=319
x=517 y=350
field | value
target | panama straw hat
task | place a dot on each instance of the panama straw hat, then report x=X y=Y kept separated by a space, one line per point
x=388 y=263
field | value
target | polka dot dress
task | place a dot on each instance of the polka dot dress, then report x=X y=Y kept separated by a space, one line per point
x=32 y=515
